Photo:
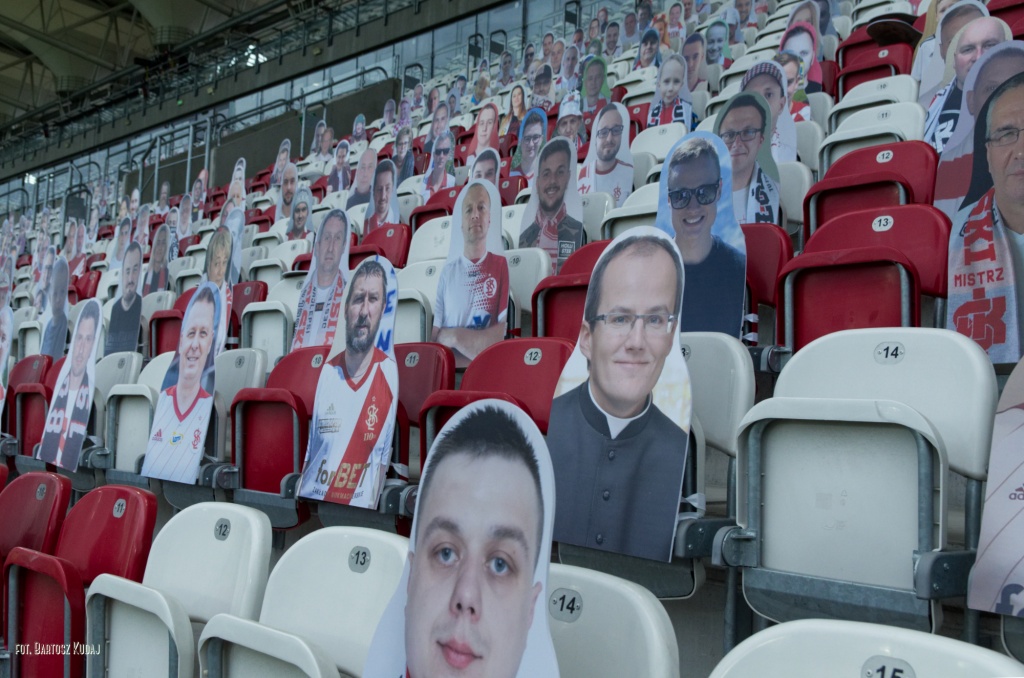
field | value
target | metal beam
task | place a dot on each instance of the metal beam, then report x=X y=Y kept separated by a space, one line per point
x=53 y=42
x=218 y=7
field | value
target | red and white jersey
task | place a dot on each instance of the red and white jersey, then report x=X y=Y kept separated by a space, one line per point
x=177 y=438
x=617 y=182
x=473 y=295
x=351 y=433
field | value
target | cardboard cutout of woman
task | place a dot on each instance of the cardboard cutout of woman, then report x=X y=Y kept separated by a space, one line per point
x=673 y=101
x=767 y=79
x=553 y=219
x=533 y=133
x=354 y=410
x=340 y=175
x=67 y=420
x=122 y=237
x=649 y=53
x=695 y=208
x=486 y=135
x=298 y=223
x=183 y=410
x=140 y=235
x=501 y=538
x=219 y=271
x=997 y=576
x=743 y=124
x=793 y=69
x=320 y=300
x=471 y=306
x=609 y=164
x=157 y=276
x=953 y=175
x=801 y=38
x=624 y=398
x=516 y=111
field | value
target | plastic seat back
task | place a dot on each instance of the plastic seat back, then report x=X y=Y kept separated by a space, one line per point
x=132 y=417
x=33 y=506
x=393 y=242
x=243 y=294
x=586 y=608
x=235 y=370
x=431 y=240
x=584 y=259
x=29 y=370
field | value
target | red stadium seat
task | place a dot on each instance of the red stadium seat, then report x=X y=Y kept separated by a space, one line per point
x=24 y=260
x=31 y=402
x=88 y=283
x=584 y=259
x=509 y=188
x=889 y=174
x=29 y=370
x=303 y=261
x=507 y=144
x=105 y=232
x=506 y=167
x=521 y=371
x=242 y=295
x=318 y=188
x=187 y=242
x=829 y=73
x=271 y=432
x=391 y=242
x=109 y=531
x=441 y=204
x=882 y=63
x=769 y=249
x=858 y=44
x=1010 y=11
x=165 y=326
x=423 y=368
x=638 y=118
x=557 y=304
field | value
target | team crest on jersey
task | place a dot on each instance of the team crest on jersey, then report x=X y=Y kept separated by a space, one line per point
x=195 y=440
x=617 y=194
x=490 y=287
x=371 y=417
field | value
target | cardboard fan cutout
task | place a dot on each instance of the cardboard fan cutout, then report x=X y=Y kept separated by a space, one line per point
x=55 y=315
x=486 y=166
x=673 y=101
x=620 y=418
x=185 y=405
x=595 y=93
x=609 y=165
x=157 y=275
x=383 y=208
x=321 y=296
x=484 y=513
x=768 y=79
x=68 y=417
x=350 y=437
x=126 y=311
x=533 y=133
x=284 y=152
x=553 y=219
x=743 y=124
x=471 y=306
x=6 y=337
x=695 y=208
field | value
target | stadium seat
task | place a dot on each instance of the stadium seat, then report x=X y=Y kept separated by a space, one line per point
x=272 y=269
x=270 y=434
x=890 y=90
x=522 y=371
x=878 y=125
x=107 y=532
x=165 y=326
x=586 y=608
x=34 y=506
x=176 y=266
x=407 y=203
x=798 y=649
x=269 y=325
x=509 y=188
x=856 y=45
x=151 y=303
x=423 y=368
x=391 y=242
x=651 y=146
x=441 y=204
x=30 y=370
x=512 y=224
x=639 y=209
x=877 y=176
x=809 y=137
x=769 y=249
x=31 y=403
x=243 y=294
x=431 y=241
x=595 y=207
x=305 y=628
x=896 y=428
x=208 y=559
x=417 y=290
x=887 y=61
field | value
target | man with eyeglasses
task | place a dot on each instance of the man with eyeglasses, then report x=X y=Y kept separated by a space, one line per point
x=617 y=458
x=755 y=195
x=553 y=229
x=403 y=158
x=438 y=178
x=715 y=271
x=605 y=171
x=986 y=249
x=534 y=127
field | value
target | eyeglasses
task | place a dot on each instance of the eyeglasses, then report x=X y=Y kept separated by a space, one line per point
x=747 y=134
x=533 y=139
x=680 y=197
x=615 y=131
x=1005 y=137
x=623 y=323
x=442 y=151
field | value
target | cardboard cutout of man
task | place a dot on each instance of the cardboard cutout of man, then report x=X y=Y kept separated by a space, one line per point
x=695 y=207
x=68 y=417
x=595 y=91
x=473 y=597
x=742 y=124
x=620 y=418
x=356 y=398
x=284 y=152
x=126 y=313
x=472 y=292
x=55 y=334
x=403 y=158
x=183 y=410
x=553 y=219
x=360 y=192
x=384 y=198
x=289 y=184
x=320 y=299
x=339 y=177
x=218 y=271
x=298 y=225
x=486 y=166
x=609 y=165
x=441 y=172
x=533 y=132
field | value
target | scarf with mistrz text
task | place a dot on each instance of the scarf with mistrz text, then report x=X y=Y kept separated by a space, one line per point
x=66 y=426
x=307 y=312
x=982 y=292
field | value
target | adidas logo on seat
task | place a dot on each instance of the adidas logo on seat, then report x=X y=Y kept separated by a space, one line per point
x=1018 y=494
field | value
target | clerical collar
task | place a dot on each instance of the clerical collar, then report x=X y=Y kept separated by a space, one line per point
x=615 y=424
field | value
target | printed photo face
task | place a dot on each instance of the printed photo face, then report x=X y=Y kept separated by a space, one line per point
x=741 y=130
x=363 y=312
x=440 y=121
x=569 y=126
x=802 y=45
x=196 y=342
x=158 y=257
x=485 y=124
x=771 y=90
x=486 y=168
x=594 y=79
x=471 y=592
x=130 y=276
x=671 y=80
x=1005 y=160
x=978 y=37
x=716 y=35
x=83 y=343
x=689 y=186
x=648 y=48
x=300 y=215
x=552 y=180
x=992 y=74
x=626 y=353
x=330 y=245
x=609 y=136
x=383 y=190
x=476 y=217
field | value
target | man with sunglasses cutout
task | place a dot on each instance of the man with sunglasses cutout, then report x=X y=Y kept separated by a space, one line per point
x=715 y=270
